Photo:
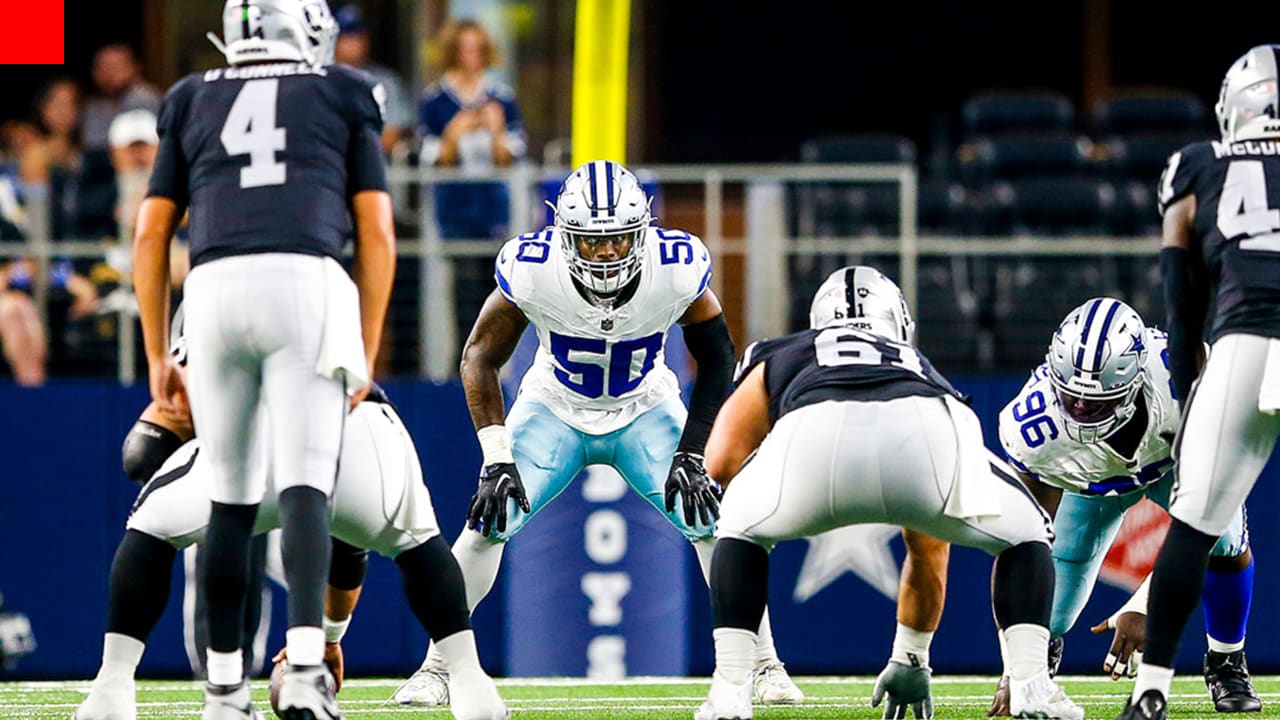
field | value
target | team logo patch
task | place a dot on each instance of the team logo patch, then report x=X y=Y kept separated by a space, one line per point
x=606 y=324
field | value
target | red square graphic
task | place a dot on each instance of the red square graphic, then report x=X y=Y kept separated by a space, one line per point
x=31 y=32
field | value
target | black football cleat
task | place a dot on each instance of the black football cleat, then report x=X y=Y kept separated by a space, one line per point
x=1056 y=646
x=1227 y=677
x=1150 y=706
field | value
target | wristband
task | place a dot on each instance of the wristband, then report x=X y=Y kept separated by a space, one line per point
x=495 y=442
x=1136 y=602
x=334 y=630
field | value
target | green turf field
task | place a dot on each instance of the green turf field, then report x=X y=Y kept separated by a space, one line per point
x=647 y=698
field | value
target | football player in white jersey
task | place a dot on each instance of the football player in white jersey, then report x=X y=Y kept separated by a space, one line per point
x=380 y=503
x=602 y=288
x=1091 y=434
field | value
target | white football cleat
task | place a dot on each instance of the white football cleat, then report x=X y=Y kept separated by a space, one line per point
x=725 y=701
x=773 y=686
x=307 y=692
x=473 y=696
x=110 y=698
x=229 y=703
x=1040 y=697
x=428 y=687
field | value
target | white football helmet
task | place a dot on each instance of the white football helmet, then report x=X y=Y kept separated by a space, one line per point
x=277 y=30
x=1096 y=362
x=1248 y=105
x=862 y=297
x=600 y=202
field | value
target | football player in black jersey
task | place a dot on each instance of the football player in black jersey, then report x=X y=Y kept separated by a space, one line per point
x=277 y=158
x=1220 y=257
x=848 y=423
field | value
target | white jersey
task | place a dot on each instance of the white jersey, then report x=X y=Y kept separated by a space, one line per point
x=1036 y=443
x=379 y=501
x=599 y=368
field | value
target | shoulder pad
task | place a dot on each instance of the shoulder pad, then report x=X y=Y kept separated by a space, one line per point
x=1179 y=176
x=361 y=94
x=174 y=105
x=1024 y=440
x=517 y=263
x=685 y=258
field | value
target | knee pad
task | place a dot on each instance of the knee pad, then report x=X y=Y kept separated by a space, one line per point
x=145 y=449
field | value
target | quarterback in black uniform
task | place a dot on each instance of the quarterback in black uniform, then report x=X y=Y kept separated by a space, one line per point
x=1220 y=257
x=278 y=160
x=848 y=423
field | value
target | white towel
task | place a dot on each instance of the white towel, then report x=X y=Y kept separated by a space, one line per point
x=971 y=495
x=1269 y=393
x=342 y=341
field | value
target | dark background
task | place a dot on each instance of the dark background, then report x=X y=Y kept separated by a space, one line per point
x=732 y=81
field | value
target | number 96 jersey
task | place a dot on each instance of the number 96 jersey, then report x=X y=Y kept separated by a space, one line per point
x=1035 y=442
x=598 y=368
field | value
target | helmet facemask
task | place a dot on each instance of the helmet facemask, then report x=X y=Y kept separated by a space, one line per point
x=606 y=277
x=1096 y=365
x=602 y=216
x=1091 y=416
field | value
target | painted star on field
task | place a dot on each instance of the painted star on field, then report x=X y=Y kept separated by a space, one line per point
x=860 y=549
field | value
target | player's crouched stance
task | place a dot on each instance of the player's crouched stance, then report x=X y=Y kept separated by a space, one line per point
x=380 y=503
x=849 y=424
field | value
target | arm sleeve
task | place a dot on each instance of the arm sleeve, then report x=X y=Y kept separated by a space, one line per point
x=712 y=348
x=169 y=178
x=348 y=565
x=1186 y=303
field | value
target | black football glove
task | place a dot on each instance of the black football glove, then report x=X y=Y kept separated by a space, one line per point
x=498 y=482
x=701 y=495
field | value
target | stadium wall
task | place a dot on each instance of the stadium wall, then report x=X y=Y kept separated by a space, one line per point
x=597 y=585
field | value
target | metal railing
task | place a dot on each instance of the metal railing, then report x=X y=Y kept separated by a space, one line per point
x=765 y=246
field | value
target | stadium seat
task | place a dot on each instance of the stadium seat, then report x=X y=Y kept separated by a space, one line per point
x=1134 y=164
x=997 y=113
x=1170 y=111
x=987 y=159
x=1059 y=205
x=859 y=149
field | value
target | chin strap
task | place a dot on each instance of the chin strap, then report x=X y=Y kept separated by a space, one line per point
x=217 y=43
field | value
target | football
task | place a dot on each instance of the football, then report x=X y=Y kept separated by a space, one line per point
x=277 y=676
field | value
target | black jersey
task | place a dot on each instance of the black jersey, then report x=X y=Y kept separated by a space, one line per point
x=839 y=363
x=1236 y=229
x=268 y=157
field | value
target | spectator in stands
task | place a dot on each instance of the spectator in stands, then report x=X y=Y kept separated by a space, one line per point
x=57 y=145
x=353 y=49
x=470 y=120
x=120 y=87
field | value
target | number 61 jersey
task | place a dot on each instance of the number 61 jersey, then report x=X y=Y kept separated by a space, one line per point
x=269 y=156
x=1036 y=443
x=598 y=368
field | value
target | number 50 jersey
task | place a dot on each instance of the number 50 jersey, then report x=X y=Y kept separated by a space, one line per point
x=599 y=368
x=268 y=156
x=1035 y=442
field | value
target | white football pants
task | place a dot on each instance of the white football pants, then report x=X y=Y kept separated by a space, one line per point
x=254 y=326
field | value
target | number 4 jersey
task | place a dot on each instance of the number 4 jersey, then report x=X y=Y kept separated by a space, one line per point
x=1237 y=228
x=268 y=156
x=1035 y=442
x=840 y=364
x=599 y=368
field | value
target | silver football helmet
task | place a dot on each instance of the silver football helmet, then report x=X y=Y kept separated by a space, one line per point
x=1097 y=362
x=860 y=296
x=603 y=212
x=277 y=30
x=1248 y=105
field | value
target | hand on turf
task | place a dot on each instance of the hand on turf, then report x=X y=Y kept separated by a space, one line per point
x=1000 y=703
x=901 y=687
x=488 y=511
x=332 y=658
x=699 y=493
x=1125 y=653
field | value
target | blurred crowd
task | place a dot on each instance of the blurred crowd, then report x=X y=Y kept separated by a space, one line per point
x=76 y=170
